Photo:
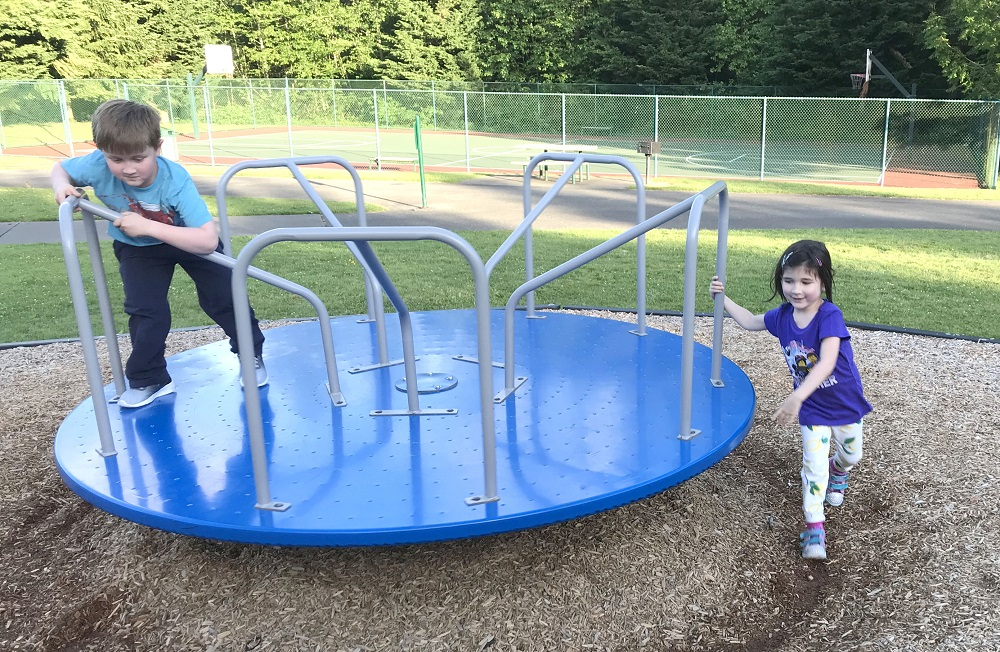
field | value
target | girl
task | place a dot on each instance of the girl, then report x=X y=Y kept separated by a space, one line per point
x=828 y=399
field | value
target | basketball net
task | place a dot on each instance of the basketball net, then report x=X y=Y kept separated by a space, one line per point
x=859 y=81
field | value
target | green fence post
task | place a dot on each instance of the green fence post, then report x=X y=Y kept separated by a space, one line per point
x=563 y=118
x=991 y=153
x=378 y=140
x=656 y=132
x=996 y=144
x=465 y=104
x=333 y=94
x=288 y=117
x=420 y=162
x=194 y=106
x=64 y=108
x=170 y=106
x=763 y=136
x=253 y=109
x=885 y=142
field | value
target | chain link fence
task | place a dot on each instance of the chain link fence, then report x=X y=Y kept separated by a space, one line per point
x=873 y=141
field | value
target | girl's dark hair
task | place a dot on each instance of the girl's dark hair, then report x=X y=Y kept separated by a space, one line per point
x=811 y=255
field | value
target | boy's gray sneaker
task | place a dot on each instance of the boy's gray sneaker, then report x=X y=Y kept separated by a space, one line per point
x=138 y=396
x=259 y=369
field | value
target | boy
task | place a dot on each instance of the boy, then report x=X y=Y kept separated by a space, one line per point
x=164 y=223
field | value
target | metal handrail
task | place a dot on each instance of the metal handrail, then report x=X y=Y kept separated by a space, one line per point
x=373 y=294
x=693 y=205
x=531 y=214
x=82 y=310
x=690 y=279
x=360 y=236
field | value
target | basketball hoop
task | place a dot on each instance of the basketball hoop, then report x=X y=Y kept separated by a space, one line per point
x=857 y=80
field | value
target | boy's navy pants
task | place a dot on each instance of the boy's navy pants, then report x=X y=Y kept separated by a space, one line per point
x=146 y=275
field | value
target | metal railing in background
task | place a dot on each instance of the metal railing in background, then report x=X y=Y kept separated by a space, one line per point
x=747 y=136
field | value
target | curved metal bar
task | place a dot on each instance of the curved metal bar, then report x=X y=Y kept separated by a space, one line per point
x=690 y=290
x=373 y=295
x=82 y=313
x=574 y=263
x=90 y=209
x=361 y=235
x=531 y=214
x=292 y=165
x=103 y=300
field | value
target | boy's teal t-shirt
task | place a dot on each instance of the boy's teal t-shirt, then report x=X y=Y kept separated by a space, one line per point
x=172 y=197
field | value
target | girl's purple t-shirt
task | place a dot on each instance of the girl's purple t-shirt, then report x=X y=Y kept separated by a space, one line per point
x=840 y=400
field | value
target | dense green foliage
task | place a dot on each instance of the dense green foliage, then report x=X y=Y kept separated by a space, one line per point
x=965 y=39
x=802 y=47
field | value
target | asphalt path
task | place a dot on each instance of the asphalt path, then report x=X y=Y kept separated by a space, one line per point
x=497 y=203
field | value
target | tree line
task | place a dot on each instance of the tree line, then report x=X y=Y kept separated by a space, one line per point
x=948 y=48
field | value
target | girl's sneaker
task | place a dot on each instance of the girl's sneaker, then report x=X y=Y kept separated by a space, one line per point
x=813 y=542
x=836 y=486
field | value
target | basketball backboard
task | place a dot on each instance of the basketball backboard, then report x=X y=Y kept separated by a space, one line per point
x=219 y=60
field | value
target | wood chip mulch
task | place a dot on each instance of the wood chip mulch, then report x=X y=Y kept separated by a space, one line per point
x=712 y=564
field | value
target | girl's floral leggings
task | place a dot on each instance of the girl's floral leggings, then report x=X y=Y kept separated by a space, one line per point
x=847 y=443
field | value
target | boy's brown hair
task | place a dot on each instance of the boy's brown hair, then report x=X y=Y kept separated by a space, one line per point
x=124 y=127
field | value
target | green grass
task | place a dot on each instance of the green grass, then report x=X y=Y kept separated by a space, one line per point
x=743 y=186
x=921 y=279
x=38 y=205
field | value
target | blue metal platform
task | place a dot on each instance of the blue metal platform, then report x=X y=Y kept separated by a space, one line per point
x=595 y=426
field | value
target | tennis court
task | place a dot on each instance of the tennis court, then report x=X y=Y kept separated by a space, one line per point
x=930 y=143
x=446 y=150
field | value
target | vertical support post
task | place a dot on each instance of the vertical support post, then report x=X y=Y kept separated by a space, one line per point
x=378 y=142
x=208 y=124
x=465 y=104
x=434 y=105
x=909 y=140
x=64 y=109
x=385 y=105
x=288 y=118
x=3 y=140
x=563 y=95
x=333 y=94
x=687 y=320
x=418 y=137
x=253 y=109
x=170 y=107
x=763 y=135
x=996 y=146
x=82 y=313
x=885 y=143
x=720 y=271
x=656 y=132
x=193 y=105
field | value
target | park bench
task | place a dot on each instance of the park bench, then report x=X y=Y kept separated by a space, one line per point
x=543 y=168
x=379 y=161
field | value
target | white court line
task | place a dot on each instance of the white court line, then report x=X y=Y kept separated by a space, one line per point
x=461 y=161
x=337 y=144
x=711 y=164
